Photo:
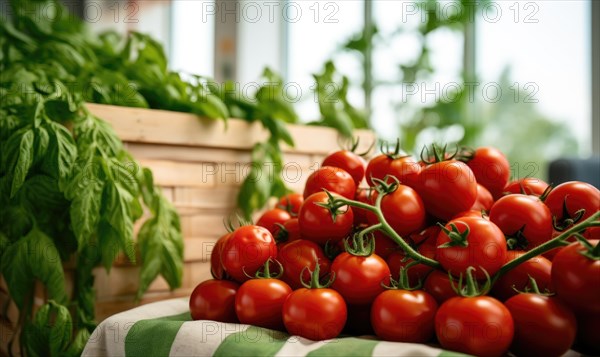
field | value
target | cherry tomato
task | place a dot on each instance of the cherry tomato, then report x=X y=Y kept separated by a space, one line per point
x=543 y=325
x=358 y=279
x=538 y=268
x=573 y=196
x=333 y=179
x=471 y=213
x=300 y=254
x=438 y=285
x=447 y=188
x=404 y=316
x=524 y=217
x=214 y=300
x=316 y=314
x=486 y=247
x=491 y=169
x=530 y=185
x=216 y=266
x=403 y=210
x=404 y=168
x=428 y=234
x=259 y=302
x=316 y=223
x=272 y=218
x=480 y=326
x=246 y=250
x=576 y=278
x=349 y=162
x=291 y=203
x=484 y=199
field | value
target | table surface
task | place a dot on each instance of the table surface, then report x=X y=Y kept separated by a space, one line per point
x=166 y=329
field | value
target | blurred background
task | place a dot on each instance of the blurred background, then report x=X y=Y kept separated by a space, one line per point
x=519 y=75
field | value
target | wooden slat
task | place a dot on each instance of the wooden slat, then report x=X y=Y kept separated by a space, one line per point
x=124 y=281
x=165 y=127
x=220 y=197
x=173 y=173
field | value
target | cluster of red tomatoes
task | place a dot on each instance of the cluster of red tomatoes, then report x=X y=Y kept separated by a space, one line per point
x=422 y=254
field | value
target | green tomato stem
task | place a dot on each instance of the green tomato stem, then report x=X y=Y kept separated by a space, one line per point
x=592 y=221
x=385 y=227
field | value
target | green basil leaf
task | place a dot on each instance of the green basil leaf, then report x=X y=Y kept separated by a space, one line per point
x=20 y=144
x=33 y=257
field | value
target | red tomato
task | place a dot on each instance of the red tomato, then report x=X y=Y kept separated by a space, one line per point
x=538 y=268
x=333 y=179
x=524 y=216
x=484 y=199
x=573 y=196
x=491 y=169
x=316 y=314
x=358 y=279
x=349 y=162
x=259 y=302
x=214 y=300
x=300 y=254
x=479 y=326
x=530 y=185
x=403 y=210
x=486 y=247
x=447 y=188
x=576 y=278
x=404 y=168
x=438 y=285
x=404 y=316
x=272 y=218
x=246 y=250
x=316 y=223
x=291 y=203
x=216 y=266
x=543 y=325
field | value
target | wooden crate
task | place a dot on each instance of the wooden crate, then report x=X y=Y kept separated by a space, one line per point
x=200 y=164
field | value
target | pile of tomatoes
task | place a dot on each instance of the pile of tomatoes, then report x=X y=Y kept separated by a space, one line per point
x=439 y=250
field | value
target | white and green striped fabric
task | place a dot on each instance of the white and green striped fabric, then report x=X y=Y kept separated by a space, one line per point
x=165 y=329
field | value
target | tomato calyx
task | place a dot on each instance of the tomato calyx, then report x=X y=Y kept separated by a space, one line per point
x=265 y=271
x=353 y=145
x=437 y=154
x=517 y=240
x=471 y=287
x=532 y=288
x=383 y=187
x=568 y=219
x=392 y=154
x=403 y=282
x=315 y=280
x=589 y=251
x=333 y=205
x=363 y=245
x=231 y=224
x=465 y=154
x=457 y=238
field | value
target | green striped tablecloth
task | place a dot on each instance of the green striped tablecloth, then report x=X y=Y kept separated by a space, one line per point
x=165 y=329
